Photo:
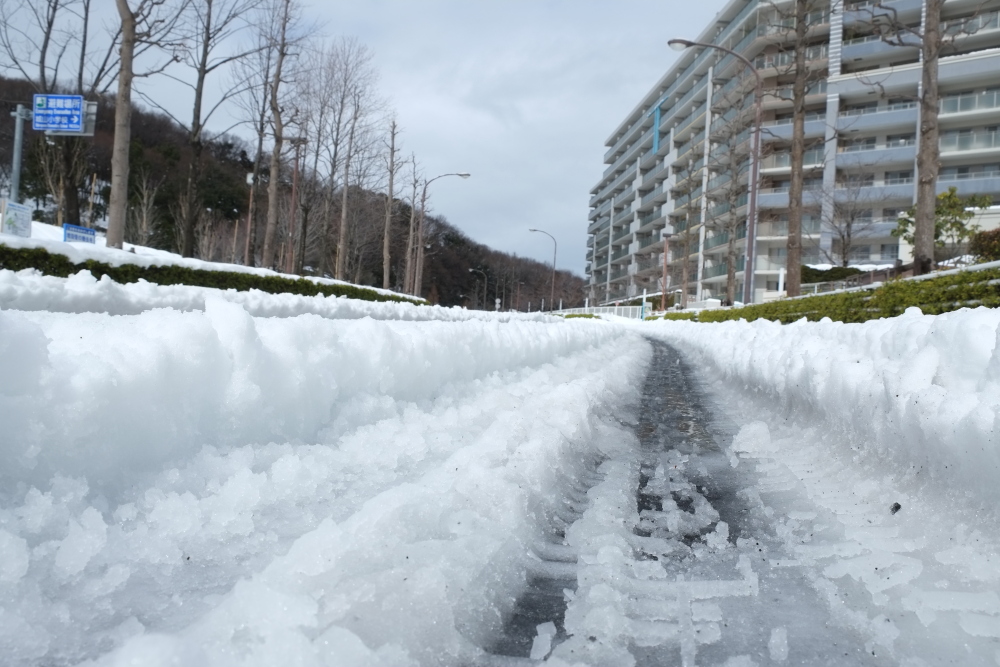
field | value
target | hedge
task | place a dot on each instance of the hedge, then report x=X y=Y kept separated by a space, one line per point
x=53 y=264
x=967 y=289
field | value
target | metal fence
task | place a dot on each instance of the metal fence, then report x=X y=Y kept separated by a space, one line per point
x=631 y=312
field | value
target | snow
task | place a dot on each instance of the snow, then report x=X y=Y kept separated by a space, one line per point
x=50 y=238
x=196 y=476
x=207 y=487
x=915 y=397
x=82 y=293
x=875 y=451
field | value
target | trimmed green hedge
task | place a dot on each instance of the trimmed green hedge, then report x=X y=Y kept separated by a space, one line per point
x=53 y=264
x=932 y=295
x=674 y=316
x=581 y=316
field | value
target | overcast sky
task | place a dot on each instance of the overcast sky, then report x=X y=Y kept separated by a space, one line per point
x=522 y=94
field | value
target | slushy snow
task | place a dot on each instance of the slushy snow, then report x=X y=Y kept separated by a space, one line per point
x=192 y=476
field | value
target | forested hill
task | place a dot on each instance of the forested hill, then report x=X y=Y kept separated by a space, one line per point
x=68 y=180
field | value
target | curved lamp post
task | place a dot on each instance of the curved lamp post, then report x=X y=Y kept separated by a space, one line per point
x=486 y=283
x=555 y=249
x=680 y=45
x=418 y=269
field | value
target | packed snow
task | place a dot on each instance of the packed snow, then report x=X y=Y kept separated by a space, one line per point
x=50 y=238
x=213 y=488
x=82 y=293
x=193 y=476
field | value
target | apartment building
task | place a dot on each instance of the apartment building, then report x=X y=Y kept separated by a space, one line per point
x=678 y=166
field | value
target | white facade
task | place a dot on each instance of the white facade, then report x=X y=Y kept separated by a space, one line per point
x=669 y=172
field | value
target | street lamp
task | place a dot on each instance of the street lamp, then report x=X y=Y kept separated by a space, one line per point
x=680 y=45
x=555 y=248
x=486 y=283
x=418 y=268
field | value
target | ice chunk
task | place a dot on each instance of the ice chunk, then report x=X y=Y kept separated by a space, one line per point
x=14 y=557
x=542 y=644
x=777 y=645
x=85 y=540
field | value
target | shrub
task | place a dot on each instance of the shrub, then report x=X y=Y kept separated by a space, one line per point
x=584 y=316
x=681 y=316
x=810 y=275
x=933 y=296
x=986 y=246
x=54 y=264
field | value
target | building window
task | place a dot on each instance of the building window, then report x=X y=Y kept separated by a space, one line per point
x=861 y=253
x=889 y=251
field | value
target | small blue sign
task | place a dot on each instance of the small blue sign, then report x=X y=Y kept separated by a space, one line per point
x=78 y=234
x=57 y=113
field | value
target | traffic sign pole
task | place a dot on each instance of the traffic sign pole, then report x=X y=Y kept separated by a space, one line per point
x=20 y=116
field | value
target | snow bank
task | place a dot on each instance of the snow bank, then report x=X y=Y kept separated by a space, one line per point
x=50 y=238
x=916 y=397
x=210 y=488
x=82 y=293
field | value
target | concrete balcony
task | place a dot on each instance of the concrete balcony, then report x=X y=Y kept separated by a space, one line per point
x=879 y=156
x=772 y=130
x=900 y=117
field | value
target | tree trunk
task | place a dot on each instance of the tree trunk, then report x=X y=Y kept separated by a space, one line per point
x=408 y=279
x=686 y=250
x=389 y=206
x=793 y=259
x=731 y=268
x=71 y=150
x=342 y=236
x=267 y=258
x=118 y=206
x=928 y=151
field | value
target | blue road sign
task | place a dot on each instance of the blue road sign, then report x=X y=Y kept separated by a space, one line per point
x=78 y=234
x=58 y=113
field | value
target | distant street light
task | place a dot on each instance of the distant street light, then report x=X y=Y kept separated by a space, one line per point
x=418 y=268
x=680 y=45
x=486 y=282
x=555 y=249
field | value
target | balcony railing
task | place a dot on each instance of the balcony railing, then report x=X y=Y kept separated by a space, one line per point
x=972 y=25
x=722 y=269
x=649 y=196
x=812 y=115
x=645 y=243
x=648 y=218
x=788 y=57
x=784 y=160
x=621 y=252
x=621 y=215
x=970 y=140
x=987 y=99
x=621 y=233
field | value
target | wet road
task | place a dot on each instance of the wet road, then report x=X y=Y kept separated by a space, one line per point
x=705 y=582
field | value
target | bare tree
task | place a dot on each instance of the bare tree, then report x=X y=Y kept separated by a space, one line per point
x=285 y=15
x=151 y=23
x=410 y=263
x=143 y=214
x=210 y=26
x=390 y=200
x=729 y=160
x=933 y=37
x=792 y=26
x=342 y=240
x=50 y=44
